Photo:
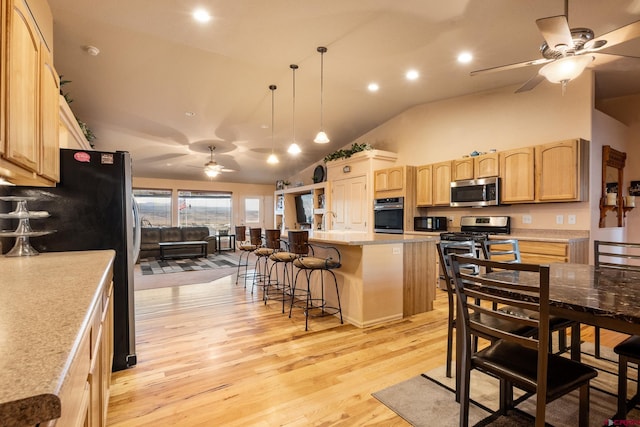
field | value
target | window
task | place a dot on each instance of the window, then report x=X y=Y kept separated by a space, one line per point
x=155 y=207
x=210 y=209
x=252 y=210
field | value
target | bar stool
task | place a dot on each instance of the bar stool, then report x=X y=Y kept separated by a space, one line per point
x=271 y=244
x=309 y=265
x=295 y=247
x=246 y=248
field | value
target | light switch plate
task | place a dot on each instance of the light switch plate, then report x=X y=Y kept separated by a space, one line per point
x=526 y=219
x=571 y=219
x=559 y=219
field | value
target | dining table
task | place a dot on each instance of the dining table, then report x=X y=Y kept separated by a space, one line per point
x=604 y=297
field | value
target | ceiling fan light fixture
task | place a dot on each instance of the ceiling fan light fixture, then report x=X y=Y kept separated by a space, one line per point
x=565 y=69
x=212 y=168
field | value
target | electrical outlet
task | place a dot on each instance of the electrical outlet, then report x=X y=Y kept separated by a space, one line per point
x=571 y=219
x=396 y=251
x=526 y=219
x=559 y=219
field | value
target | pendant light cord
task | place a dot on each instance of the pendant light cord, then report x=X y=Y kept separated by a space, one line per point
x=294 y=67
x=322 y=51
x=272 y=88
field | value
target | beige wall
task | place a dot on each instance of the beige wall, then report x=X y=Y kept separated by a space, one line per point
x=239 y=193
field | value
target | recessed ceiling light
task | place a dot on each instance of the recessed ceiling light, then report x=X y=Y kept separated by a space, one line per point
x=373 y=87
x=412 y=75
x=465 y=57
x=189 y=114
x=201 y=15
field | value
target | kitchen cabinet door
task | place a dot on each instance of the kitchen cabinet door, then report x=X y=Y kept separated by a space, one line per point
x=50 y=118
x=350 y=204
x=22 y=88
x=486 y=165
x=558 y=171
x=389 y=180
x=424 y=186
x=442 y=183
x=517 y=175
x=463 y=169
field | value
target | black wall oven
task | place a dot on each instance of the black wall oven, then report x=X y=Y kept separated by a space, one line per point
x=388 y=215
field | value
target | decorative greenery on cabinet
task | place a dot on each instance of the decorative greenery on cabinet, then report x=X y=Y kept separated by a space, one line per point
x=348 y=152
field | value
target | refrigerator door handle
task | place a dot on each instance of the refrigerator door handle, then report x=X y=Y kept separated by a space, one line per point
x=136 y=229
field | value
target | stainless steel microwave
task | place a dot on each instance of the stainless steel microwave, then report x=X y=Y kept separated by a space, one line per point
x=476 y=192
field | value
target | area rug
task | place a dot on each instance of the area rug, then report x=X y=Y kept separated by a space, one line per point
x=431 y=396
x=159 y=266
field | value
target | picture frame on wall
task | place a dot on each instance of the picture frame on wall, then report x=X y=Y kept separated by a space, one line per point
x=280 y=184
x=634 y=188
x=612 y=187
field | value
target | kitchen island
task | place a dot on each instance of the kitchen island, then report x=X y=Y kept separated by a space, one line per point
x=383 y=277
x=55 y=329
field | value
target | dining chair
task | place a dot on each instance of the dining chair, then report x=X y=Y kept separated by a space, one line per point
x=508 y=250
x=615 y=255
x=445 y=250
x=516 y=360
x=620 y=256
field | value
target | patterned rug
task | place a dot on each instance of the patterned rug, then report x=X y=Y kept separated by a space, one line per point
x=161 y=266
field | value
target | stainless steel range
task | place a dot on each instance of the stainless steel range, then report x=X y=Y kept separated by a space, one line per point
x=479 y=228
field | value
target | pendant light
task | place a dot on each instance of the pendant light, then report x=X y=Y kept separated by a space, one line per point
x=321 y=137
x=272 y=159
x=294 y=148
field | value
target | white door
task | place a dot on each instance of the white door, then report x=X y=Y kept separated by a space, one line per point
x=349 y=203
x=252 y=211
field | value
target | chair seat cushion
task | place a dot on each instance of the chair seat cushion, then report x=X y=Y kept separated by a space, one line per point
x=248 y=247
x=519 y=365
x=314 y=263
x=629 y=347
x=283 y=256
x=263 y=251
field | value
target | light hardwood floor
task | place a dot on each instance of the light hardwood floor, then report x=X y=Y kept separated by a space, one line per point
x=213 y=354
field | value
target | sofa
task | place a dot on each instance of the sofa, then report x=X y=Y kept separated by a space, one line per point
x=150 y=238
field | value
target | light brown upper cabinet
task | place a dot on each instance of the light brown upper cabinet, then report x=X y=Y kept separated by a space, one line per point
x=31 y=102
x=389 y=179
x=562 y=171
x=424 y=185
x=486 y=165
x=463 y=169
x=517 y=175
x=554 y=172
x=442 y=183
x=482 y=166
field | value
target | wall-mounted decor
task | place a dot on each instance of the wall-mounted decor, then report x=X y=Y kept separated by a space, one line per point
x=279 y=184
x=634 y=189
x=612 y=187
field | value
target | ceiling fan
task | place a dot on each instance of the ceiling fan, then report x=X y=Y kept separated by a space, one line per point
x=567 y=51
x=212 y=168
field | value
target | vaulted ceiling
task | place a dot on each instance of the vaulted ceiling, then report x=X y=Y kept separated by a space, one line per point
x=165 y=87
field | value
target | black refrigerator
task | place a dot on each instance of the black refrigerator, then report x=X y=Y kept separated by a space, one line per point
x=91 y=208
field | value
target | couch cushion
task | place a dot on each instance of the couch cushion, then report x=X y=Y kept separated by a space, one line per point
x=194 y=233
x=171 y=234
x=149 y=235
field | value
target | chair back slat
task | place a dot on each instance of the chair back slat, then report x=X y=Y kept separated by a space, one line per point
x=445 y=249
x=616 y=255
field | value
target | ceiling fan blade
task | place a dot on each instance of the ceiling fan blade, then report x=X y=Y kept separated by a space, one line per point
x=612 y=38
x=556 y=31
x=511 y=66
x=531 y=83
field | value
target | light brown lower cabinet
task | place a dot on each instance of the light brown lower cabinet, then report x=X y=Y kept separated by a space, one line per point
x=537 y=252
x=84 y=396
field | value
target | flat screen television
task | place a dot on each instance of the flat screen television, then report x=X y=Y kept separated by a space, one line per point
x=304 y=209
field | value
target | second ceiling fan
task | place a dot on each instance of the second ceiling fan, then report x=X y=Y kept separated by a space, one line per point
x=567 y=51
